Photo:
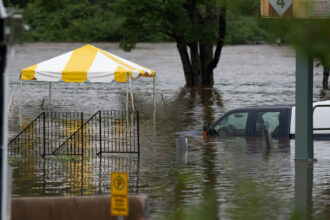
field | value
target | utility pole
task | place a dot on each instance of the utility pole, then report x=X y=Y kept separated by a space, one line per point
x=3 y=115
x=304 y=108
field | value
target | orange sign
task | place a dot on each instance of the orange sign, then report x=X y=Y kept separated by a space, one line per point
x=119 y=194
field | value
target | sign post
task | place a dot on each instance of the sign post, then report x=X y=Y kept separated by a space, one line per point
x=304 y=108
x=304 y=68
x=119 y=194
x=4 y=214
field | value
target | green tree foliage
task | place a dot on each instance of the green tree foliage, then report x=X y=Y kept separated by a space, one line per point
x=193 y=24
x=244 y=25
x=96 y=20
x=309 y=36
x=71 y=20
x=16 y=3
x=196 y=26
x=246 y=29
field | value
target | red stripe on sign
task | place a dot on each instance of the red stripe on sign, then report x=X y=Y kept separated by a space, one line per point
x=289 y=12
x=272 y=12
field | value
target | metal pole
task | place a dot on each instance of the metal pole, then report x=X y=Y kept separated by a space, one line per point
x=20 y=103
x=138 y=131
x=267 y=137
x=100 y=126
x=181 y=149
x=303 y=189
x=154 y=93
x=127 y=94
x=304 y=108
x=155 y=103
x=82 y=134
x=82 y=176
x=50 y=94
x=127 y=98
x=44 y=132
x=132 y=98
x=4 y=198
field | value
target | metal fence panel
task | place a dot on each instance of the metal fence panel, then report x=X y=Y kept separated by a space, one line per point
x=44 y=134
x=66 y=133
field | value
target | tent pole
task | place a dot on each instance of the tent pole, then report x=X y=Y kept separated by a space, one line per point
x=132 y=98
x=127 y=100
x=154 y=92
x=127 y=94
x=155 y=101
x=50 y=94
x=20 y=103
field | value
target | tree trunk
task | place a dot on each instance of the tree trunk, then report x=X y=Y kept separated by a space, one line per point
x=182 y=48
x=206 y=54
x=198 y=67
x=325 y=77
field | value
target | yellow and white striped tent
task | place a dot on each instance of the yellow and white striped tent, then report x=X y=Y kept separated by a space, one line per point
x=87 y=63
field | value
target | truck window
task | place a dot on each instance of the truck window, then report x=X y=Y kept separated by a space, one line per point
x=268 y=119
x=321 y=119
x=232 y=124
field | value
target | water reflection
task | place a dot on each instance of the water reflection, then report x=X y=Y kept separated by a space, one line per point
x=192 y=99
x=192 y=108
x=255 y=145
x=324 y=95
x=71 y=175
x=209 y=194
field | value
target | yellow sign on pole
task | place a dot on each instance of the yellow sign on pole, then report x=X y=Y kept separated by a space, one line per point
x=119 y=194
x=295 y=8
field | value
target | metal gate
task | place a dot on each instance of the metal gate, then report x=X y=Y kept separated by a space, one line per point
x=66 y=133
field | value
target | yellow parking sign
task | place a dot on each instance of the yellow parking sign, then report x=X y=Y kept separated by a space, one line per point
x=119 y=194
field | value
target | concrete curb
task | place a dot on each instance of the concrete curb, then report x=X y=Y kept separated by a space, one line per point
x=74 y=208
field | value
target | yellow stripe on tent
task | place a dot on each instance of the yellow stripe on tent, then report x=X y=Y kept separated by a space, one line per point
x=28 y=73
x=147 y=75
x=120 y=62
x=78 y=65
x=142 y=72
x=121 y=74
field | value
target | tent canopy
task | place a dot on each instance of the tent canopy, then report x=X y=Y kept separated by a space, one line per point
x=85 y=63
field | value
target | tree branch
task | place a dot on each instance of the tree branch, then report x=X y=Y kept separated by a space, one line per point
x=182 y=47
x=221 y=38
x=194 y=14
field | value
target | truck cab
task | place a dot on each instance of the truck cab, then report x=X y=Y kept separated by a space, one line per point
x=250 y=121
x=280 y=120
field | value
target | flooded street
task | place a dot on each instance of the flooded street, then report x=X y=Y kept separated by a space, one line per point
x=227 y=178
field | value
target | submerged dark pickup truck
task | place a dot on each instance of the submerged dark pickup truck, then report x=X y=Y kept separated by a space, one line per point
x=280 y=120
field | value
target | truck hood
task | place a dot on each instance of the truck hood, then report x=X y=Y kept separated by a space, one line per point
x=190 y=133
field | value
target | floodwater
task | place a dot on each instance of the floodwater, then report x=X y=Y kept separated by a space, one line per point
x=227 y=178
